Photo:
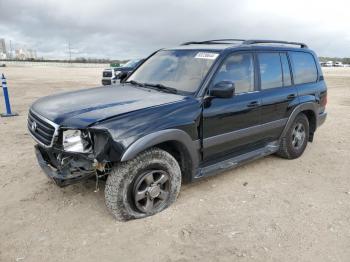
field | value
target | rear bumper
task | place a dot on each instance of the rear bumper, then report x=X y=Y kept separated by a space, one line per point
x=61 y=178
x=321 y=118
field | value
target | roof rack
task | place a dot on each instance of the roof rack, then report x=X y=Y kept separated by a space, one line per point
x=244 y=42
x=251 y=42
x=214 y=41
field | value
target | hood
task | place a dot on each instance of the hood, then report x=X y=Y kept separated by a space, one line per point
x=85 y=107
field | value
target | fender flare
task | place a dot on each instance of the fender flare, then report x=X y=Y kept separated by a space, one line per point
x=158 y=137
x=301 y=107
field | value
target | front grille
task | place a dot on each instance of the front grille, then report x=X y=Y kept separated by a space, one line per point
x=107 y=74
x=41 y=130
x=106 y=82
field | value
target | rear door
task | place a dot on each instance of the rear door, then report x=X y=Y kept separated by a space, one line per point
x=278 y=95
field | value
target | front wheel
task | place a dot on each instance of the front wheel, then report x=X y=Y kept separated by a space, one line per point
x=295 y=141
x=143 y=186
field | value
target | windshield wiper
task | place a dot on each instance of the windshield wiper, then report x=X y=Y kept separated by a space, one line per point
x=133 y=82
x=162 y=87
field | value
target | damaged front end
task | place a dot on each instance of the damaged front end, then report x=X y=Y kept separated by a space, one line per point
x=76 y=155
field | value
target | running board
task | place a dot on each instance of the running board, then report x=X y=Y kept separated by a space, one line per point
x=238 y=160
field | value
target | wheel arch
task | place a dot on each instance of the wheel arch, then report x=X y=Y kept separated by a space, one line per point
x=311 y=117
x=176 y=142
x=310 y=110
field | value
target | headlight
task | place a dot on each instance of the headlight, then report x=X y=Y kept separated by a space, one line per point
x=76 y=141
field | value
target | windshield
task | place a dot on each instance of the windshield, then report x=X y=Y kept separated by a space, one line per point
x=183 y=70
x=131 y=63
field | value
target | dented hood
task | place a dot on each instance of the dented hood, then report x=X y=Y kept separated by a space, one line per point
x=85 y=107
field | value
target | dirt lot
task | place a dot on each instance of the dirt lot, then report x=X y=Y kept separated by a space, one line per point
x=269 y=210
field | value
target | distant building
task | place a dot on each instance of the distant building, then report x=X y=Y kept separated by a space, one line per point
x=20 y=54
x=24 y=54
x=2 y=46
x=3 y=52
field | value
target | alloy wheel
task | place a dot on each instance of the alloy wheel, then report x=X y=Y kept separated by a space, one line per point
x=298 y=136
x=151 y=190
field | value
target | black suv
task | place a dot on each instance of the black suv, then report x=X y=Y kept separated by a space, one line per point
x=111 y=76
x=186 y=113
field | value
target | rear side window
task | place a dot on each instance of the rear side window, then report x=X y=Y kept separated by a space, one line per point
x=270 y=70
x=304 y=66
x=286 y=70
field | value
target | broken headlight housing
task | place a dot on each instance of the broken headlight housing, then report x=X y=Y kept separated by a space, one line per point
x=78 y=141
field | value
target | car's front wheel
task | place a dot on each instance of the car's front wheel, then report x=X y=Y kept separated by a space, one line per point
x=295 y=141
x=143 y=186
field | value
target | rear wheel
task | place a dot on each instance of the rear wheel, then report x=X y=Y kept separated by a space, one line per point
x=295 y=141
x=143 y=186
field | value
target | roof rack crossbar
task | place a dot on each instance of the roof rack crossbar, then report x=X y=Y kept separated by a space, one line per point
x=214 y=41
x=250 y=42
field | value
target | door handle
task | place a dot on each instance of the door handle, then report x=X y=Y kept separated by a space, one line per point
x=253 y=104
x=291 y=96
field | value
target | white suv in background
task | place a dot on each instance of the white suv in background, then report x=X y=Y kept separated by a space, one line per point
x=111 y=76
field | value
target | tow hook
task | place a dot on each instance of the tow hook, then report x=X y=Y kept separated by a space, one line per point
x=99 y=167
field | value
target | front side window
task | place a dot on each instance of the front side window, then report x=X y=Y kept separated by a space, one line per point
x=270 y=70
x=304 y=68
x=183 y=70
x=239 y=69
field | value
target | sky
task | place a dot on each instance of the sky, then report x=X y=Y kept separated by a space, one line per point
x=128 y=29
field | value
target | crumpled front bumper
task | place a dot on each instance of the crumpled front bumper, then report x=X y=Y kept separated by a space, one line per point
x=321 y=118
x=62 y=177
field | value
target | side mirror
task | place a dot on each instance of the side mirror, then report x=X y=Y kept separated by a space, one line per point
x=122 y=76
x=223 y=89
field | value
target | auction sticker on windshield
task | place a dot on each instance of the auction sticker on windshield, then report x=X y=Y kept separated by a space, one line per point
x=206 y=55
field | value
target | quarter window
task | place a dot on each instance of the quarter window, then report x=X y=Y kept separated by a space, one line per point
x=270 y=70
x=239 y=69
x=304 y=66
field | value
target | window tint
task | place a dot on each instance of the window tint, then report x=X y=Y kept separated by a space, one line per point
x=239 y=69
x=304 y=68
x=270 y=70
x=286 y=70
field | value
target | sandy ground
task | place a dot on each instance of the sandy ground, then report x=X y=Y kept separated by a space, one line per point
x=269 y=210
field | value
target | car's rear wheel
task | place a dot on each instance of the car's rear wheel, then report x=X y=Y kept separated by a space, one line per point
x=143 y=186
x=295 y=141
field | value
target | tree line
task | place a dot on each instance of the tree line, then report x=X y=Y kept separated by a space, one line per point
x=344 y=60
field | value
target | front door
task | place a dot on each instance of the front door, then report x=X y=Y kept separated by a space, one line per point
x=230 y=125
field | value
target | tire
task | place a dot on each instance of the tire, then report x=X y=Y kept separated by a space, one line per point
x=293 y=144
x=153 y=178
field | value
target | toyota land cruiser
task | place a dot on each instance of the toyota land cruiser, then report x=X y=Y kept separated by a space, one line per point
x=186 y=113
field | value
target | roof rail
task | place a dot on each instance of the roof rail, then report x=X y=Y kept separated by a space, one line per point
x=250 y=42
x=214 y=41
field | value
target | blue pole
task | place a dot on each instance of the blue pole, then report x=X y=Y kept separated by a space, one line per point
x=7 y=100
